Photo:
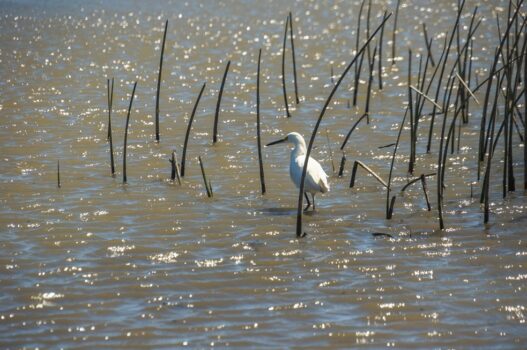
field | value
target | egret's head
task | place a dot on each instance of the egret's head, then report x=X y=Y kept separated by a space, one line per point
x=293 y=137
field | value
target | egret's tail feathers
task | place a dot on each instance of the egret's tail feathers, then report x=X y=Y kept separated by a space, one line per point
x=324 y=185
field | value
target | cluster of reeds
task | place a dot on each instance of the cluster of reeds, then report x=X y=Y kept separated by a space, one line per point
x=441 y=89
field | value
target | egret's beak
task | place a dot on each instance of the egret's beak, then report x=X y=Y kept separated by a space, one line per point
x=277 y=141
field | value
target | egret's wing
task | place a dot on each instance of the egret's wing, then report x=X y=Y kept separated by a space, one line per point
x=316 y=177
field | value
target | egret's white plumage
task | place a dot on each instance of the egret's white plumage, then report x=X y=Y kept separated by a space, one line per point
x=316 y=179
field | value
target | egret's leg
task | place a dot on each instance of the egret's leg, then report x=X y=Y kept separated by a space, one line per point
x=308 y=202
x=313 y=201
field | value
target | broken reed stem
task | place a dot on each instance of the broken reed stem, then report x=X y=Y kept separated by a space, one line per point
x=389 y=205
x=284 y=89
x=395 y=30
x=423 y=183
x=159 y=79
x=207 y=184
x=299 y=232
x=428 y=45
x=58 y=173
x=184 y=155
x=110 y=139
x=293 y=52
x=342 y=164
x=351 y=131
x=358 y=163
x=258 y=131
x=416 y=180
x=218 y=104
x=126 y=132
x=175 y=168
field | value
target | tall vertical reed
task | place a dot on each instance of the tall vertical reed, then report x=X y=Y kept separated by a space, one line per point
x=184 y=155
x=159 y=79
x=299 y=232
x=284 y=89
x=110 y=139
x=260 y=160
x=218 y=104
x=294 y=56
x=126 y=132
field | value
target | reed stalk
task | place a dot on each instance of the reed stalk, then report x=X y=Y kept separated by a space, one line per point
x=218 y=104
x=299 y=232
x=258 y=131
x=184 y=155
x=159 y=79
x=126 y=132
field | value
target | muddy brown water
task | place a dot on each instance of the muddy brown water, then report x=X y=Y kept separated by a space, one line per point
x=150 y=264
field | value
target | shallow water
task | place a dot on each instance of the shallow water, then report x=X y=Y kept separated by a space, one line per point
x=150 y=264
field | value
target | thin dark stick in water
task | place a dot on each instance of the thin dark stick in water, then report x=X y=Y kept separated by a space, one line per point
x=381 y=234
x=159 y=79
x=423 y=182
x=416 y=180
x=260 y=159
x=209 y=193
x=110 y=139
x=428 y=45
x=351 y=130
x=386 y=146
x=394 y=33
x=175 y=168
x=218 y=104
x=58 y=173
x=389 y=206
x=342 y=164
x=370 y=82
x=294 y=58
x=299 y=232
x=126 y=132
x=358 y=163
x=358 y=68
x=184 y=155
x=332 y=76
x=413 y=117
x=380 y=55
x=284 y=89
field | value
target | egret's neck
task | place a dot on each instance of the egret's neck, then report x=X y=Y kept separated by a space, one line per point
x=300 y=149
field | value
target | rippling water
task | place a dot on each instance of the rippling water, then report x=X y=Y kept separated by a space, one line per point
x=150 y=264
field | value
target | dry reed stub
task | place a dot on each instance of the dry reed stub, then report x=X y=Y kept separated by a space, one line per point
x=299 y=232
x=207 y=183
x=376 y=176
x=58 y=174
x=342 y=164
x=218 y=104
x=126 y=132
x=159 y=79
x=174 y=173
x=187 y=134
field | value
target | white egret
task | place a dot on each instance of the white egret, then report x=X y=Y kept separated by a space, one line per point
x=316 y=179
